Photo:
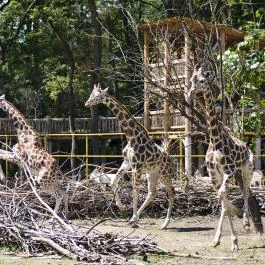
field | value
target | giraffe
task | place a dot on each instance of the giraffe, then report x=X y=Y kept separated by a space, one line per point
x=226 y=157
x=29 y=150
x=141 y=155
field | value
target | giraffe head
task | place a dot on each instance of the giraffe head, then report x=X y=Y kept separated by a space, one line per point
x=199 y=81
x=3 y=97
x=97 y=96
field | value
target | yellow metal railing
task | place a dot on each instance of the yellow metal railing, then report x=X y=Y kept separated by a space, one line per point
x=6 y=140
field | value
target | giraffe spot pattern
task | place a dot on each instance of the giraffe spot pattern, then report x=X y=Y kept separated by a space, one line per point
x=131 y=124
x=126 y=116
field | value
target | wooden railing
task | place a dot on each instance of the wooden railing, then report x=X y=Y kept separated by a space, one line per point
x=83 y=125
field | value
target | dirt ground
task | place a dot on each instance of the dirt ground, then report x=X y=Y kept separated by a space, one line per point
x=194 y=236
x=189 y=238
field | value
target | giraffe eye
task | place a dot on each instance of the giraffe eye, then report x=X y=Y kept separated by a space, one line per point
x=201 y=81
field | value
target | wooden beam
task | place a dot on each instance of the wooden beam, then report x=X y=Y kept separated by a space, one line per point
x=146 y=94
x=187 y=140
x=174 y=25
x=167 y=71
x=222 y=40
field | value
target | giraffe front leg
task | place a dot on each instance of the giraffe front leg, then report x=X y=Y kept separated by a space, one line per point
x=152 y=183
x=134 y=219
x=230 y=210
x=218 y=233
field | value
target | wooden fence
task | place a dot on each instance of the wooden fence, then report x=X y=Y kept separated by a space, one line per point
x=83 y=125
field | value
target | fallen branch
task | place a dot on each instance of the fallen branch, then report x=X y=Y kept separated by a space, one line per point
x=56 y=246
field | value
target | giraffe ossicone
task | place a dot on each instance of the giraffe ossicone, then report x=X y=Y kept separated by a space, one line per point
x=141 y=155
x=225 y=158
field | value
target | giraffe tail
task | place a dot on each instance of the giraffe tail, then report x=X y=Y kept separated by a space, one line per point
x=254 y=210
x=253 y=205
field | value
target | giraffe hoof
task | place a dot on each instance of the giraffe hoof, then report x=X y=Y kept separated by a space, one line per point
x=247 y=227
x=133 y=220
x=234 y=247
x=216 y=243
x=135 y=225
x=164 y=225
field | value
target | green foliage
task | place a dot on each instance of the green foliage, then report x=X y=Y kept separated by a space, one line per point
x=34 y=61
x=244 y=71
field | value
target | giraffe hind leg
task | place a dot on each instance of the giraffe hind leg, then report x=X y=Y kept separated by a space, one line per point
x=115 y=183
x=171 y=194
x=66 y=205
x=252 y=205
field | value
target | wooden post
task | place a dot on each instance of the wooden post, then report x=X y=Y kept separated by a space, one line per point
x=180 y=158
x=187 y=140
x=166 y=124
x=86 y=155
x=146 y=93
x=222 y=46
x=258 y=138
x=6 y=160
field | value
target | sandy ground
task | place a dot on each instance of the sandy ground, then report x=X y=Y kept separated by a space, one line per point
x=189 y=238
x=194 y=236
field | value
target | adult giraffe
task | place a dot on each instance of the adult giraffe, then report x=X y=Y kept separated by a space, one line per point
x=226 y=157
x=29 y=150
x=141 y=155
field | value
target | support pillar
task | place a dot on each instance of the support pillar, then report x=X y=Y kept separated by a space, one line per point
x=167 y=73
x=258 y=153
x=187 y=140
x=146 y=93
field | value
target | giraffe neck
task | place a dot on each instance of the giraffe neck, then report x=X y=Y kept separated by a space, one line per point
x=212 y=120
x=129 y=124
x=19 y=121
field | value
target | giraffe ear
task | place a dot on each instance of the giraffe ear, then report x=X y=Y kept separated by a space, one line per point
x=196 y=66
x=207 y=74
x=106 y=90
x=2 y=97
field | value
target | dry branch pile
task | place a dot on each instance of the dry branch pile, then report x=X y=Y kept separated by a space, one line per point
x=198 y=199
x=23 y=219
x=25 y=225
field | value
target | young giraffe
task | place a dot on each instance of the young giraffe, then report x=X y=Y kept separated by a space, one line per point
x=141 y=155
x=225 y=158
x=30 y=151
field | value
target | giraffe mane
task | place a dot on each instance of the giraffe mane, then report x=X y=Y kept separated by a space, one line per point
x=126 y=110
x=22 y=116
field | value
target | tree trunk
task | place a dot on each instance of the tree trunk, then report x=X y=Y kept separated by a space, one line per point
x=109 y=25
x=95 y=77
x=71 y=96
